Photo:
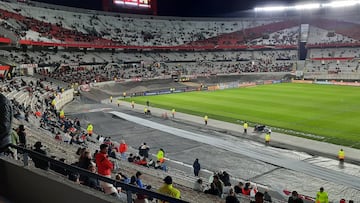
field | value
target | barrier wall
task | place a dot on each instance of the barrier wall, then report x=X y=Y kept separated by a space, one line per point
x=326 y=82
x=64 y=98
x=21 y=184
x=338 y=76
x=5 y=40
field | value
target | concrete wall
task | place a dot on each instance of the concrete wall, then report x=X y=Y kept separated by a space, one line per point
x=64 y=98
x=22 y=184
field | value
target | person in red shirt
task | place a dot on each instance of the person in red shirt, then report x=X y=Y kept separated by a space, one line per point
x=123 y=149
x=246 y=190
x=105 y=166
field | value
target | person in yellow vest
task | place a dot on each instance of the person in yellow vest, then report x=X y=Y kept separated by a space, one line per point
x=89 y=129
x=245 y=127
x=110 y=99
x=132 y=104
x=173 y=113
x=160 y=155
x=168 y=189
x=145 y=111
x=267 y=138
x=341 y=155
x=62 y=114
x=124 y=95
x=321 y=196
x=53 y=102
x=206 y=119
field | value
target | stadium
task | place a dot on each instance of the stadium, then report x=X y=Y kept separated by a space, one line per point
x=266 y=100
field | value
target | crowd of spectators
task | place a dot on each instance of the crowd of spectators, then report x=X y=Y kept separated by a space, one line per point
x=335 y=53
x=151 y=64
x=44 y=24
x=125 y=29
x=288 y=36
x=70 y=26
x=322 y=36
x=145 y=58
x=332 y=66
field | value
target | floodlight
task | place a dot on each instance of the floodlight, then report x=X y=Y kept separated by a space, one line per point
x=306 y=6
x=336 y=4
x=333 y=4
x=271 y=8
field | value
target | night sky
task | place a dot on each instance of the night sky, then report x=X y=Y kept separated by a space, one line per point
x=206 y=8
x=209 y=8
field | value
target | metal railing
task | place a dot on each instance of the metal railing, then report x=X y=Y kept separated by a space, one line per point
x=130 y=189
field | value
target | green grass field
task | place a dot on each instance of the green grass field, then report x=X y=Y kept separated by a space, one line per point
x=330 y=111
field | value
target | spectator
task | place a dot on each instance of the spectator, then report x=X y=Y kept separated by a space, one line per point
x=216 y=187
x=159 y=165
x=39 y=163
x=160 y=155
x=89 y=129
x=14 y=141
x=294 y=198
x=197 y=167
x=123 y=149
x=85 y=159
x=267 y=196
x=58 y=137
x=131 y=158
x=225 y=178
x=246 y=190
x=259 y=198
x=103 y=163
x=168 y=189
x=90 y=181
x=321 y=196
x=231 y=198
x=198 y=186
x=142 y=162
x=253 y=191
x=105 y=166
x=22 y=135
x=144 y=150
x=138 y=181
x=238 y=188
x=77 y=124
x=122 y=178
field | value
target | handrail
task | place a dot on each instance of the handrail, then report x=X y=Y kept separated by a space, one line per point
x=129 y=188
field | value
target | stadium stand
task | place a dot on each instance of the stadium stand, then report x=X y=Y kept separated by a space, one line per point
x=65 y=151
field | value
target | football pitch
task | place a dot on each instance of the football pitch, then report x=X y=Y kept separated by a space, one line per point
x=331 y=112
